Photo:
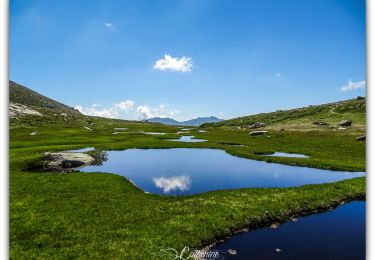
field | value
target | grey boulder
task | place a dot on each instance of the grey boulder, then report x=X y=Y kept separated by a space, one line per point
x=361 y=138
x=345 y=123
x=255 y=133
x=257 y=125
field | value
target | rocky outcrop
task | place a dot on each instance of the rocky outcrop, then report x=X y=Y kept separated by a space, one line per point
x=255 y=133
x=16 y=109
x=361 y=138
x=320 y=123
x=61 y=161
x=345 y=122
x=257 y=125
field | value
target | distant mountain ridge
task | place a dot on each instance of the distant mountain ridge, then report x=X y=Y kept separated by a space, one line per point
x=192 y=122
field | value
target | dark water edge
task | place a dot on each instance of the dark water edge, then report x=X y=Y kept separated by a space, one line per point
x=338 y=234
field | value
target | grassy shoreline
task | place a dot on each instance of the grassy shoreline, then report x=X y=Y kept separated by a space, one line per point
x=65 y=213
x=327 y=150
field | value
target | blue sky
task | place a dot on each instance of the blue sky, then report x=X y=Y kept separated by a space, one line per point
x=183 y=59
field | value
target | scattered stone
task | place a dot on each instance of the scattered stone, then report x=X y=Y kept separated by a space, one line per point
x=345 y=122
x=232 y=252
x=92 y=123
x=64 y=114
x=294 y=219
x=257 y=125
x=88 y=128
x=34 y=133
x=278 y=250
x=361 y=138
x=320 y=123
x=341 y=128
x=255 y=133
x=274 y=225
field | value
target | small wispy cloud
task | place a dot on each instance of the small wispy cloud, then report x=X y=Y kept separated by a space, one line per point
x=350 y=86
x=183 y=64
x=125 y=105
x=108 y=25
x=278 y=74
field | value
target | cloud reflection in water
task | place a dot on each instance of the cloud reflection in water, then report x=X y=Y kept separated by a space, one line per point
x=168 y=184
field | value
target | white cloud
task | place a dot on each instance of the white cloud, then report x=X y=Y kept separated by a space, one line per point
x=119 y=109
x=184 y=64
x=92 y=111
x=354 y=85
x=125 y=105
x=111 y=112
x=278 y=75
x=181 y=183
x=145 y=111
x=108 y=25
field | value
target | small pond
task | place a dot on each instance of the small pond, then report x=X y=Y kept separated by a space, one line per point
x=152 y=133
x=338 y=234
x=182 y=171
x=116 y=133
x=187 y=139
x=291 y=155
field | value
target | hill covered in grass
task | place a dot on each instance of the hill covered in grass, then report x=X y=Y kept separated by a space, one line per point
x=23 y=95
x=28 y=108
x=331 y=113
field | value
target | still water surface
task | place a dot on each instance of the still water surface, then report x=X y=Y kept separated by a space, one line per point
x=339 y=234
x=183 y=171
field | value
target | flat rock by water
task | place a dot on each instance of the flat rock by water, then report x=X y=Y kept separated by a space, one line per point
x=67 y=160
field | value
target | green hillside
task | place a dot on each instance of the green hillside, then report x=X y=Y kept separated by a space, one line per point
x=331 y=113
x=23 y=95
